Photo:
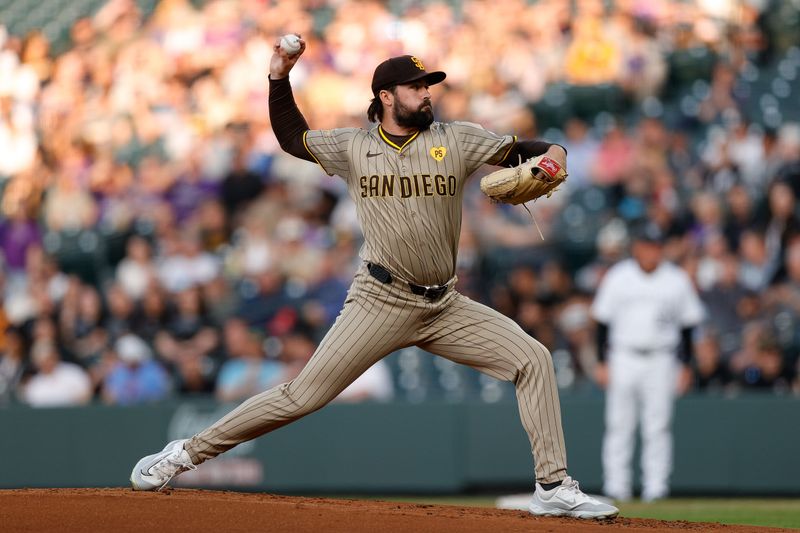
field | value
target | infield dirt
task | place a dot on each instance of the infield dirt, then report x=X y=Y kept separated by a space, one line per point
x=122 y=511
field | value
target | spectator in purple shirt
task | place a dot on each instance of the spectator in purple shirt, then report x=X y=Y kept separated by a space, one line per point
x=189 y=191
x=18 y=233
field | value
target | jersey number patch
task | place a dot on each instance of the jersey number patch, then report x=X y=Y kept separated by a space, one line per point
x=438 y=152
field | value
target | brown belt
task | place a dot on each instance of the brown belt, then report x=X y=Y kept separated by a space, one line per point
x=432 y=293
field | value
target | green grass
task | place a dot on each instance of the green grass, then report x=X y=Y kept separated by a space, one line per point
x=760 y=512
x=756 y=512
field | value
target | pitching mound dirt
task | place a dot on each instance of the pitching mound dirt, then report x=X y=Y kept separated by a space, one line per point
x=122 y=511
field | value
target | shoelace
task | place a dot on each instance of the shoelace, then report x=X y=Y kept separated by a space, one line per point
x=571 y=485
x=171 y=466
x=574 y=487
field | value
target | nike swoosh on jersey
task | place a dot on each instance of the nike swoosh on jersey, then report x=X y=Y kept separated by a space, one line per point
x=374 y=155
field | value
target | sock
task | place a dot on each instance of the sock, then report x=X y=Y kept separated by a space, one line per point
x=550 y=486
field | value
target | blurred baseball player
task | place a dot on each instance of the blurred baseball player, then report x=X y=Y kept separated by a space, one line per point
x=406 y=176
x=645 y=310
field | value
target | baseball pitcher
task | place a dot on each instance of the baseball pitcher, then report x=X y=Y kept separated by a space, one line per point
x=406 y=176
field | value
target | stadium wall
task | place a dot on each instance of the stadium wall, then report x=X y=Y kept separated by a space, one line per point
x=746 y=445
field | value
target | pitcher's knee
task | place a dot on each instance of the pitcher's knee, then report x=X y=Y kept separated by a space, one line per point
x=296 y=404
x=534 y=359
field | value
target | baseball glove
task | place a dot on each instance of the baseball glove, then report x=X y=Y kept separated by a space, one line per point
x=536 y=177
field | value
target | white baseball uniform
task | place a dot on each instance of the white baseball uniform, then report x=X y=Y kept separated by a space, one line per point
x=645 y=313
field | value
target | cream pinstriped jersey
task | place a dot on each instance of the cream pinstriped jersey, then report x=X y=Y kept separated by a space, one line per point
x=408 y=198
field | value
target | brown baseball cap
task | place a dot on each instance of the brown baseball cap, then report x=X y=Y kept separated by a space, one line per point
x=401 y=70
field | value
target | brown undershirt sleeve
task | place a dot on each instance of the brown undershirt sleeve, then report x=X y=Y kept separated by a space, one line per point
x=525 y=149
x=288 y=123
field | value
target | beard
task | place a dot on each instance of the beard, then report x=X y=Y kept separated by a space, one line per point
x=421 y=118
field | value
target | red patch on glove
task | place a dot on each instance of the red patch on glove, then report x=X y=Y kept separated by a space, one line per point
x=549 y=166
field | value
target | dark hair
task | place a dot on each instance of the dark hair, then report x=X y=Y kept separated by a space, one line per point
x=375 y=111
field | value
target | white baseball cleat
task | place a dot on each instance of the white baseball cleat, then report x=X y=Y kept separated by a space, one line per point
x=155 y=471
x=567 y=499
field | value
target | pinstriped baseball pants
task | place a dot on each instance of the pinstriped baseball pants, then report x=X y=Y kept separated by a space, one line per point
x=378 y=319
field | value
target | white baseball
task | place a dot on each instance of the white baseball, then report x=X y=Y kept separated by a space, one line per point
x=290 y=43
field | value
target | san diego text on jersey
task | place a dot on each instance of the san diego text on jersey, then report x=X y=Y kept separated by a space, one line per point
x=407 y=186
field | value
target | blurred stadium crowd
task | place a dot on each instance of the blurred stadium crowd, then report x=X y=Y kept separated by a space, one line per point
x=156 y=241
